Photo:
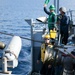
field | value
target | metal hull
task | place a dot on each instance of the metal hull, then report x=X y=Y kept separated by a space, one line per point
x=35 y=48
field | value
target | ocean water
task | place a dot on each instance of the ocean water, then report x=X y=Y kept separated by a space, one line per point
x=12 y=21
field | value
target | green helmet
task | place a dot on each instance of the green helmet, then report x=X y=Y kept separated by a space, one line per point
x=52 y=7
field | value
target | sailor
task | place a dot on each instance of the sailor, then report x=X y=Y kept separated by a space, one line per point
x=73 y=56
x=47 y=57
x=52 y=17
x=65 y=64
x=64 y=24
x=58 y=64
x=68 y=64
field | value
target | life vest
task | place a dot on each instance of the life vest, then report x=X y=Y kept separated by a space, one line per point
x=49 y=53
x=53 y=34
x=50 y=20
x=43 y=52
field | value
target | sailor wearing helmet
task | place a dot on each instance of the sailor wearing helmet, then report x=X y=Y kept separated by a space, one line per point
x=63 y=21
x=47 y=56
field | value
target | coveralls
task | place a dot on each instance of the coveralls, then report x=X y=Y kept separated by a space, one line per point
x=51 y=19
x=64 y=23
x=48 y=60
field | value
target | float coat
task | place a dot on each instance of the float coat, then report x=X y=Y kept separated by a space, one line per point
x=48 y=59
x=42 y=52
x=46 y=52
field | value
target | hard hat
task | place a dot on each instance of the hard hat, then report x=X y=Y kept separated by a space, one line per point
x=52 y=7
x=63 y=9
x=47 y=36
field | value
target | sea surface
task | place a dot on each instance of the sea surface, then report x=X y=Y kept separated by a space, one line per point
x=12 y=21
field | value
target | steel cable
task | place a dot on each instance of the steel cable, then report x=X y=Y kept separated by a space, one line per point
x=22 y=37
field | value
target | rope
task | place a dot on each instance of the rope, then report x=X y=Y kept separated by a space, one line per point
x=22 y=37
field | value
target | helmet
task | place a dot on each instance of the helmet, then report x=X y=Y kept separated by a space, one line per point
x=62 y=9
x=47 y=36
x=52 y=7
